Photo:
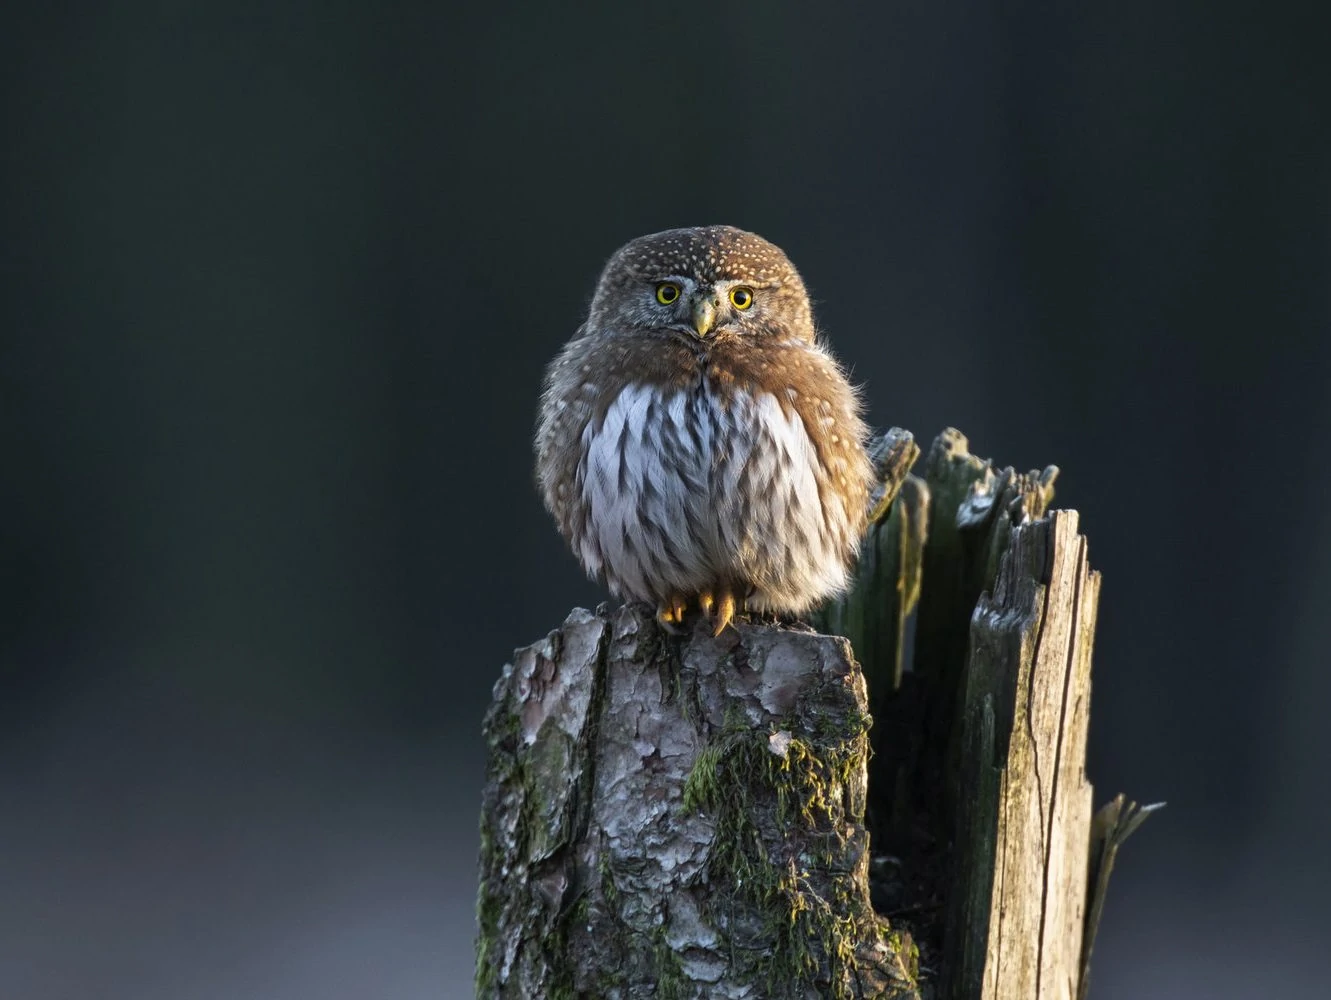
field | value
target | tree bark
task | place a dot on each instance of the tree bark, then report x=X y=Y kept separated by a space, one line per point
x=680 y=816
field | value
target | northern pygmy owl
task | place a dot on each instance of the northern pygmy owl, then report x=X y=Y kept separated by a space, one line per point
x=697 y=444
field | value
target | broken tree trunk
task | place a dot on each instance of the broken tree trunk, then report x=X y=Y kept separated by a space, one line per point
x=684 y=816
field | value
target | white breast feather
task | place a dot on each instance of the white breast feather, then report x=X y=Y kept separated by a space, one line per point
x=664 y=501
x=784 y=469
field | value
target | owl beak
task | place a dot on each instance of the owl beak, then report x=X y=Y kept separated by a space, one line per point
x=704 y=316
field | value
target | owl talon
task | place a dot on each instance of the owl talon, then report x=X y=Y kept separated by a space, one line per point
x=706 y=602
x=725 y=613
x=671 y=612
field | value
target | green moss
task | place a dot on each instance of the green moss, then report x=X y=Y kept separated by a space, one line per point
x=701 y=790
x=554 y=957
x=611 y=979
x=907 y=952
x=671 y=983
x=488 y=910
x=609 y=891
x=485 y=971
x=761 y=801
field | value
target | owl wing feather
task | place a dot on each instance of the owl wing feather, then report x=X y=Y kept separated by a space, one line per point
x=806 y=478
x=568 y=403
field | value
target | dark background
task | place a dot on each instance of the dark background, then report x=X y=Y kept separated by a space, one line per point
x=277 y=285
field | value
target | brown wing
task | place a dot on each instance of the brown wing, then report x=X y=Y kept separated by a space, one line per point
x=569 y=400
x=807 y=379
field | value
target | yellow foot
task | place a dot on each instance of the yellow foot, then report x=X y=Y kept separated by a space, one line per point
x=725 y=611
x=671 y=612
x=706 y=602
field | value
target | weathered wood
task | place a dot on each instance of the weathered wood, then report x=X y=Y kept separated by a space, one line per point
x=918 y=797
x=974 y=507
x=1021 y=857
x=874 y=616
x=1116 y=821
x=680 y=817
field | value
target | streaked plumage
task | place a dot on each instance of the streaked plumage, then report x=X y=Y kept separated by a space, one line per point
x=696 y=452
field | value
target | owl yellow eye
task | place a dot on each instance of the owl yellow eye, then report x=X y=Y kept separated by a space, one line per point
x=667 y=292
x=741 y=298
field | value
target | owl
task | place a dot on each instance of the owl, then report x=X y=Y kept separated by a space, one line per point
x=697 y=445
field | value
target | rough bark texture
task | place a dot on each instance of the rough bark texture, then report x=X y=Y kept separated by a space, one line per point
x=680 y=817
x=687 y=816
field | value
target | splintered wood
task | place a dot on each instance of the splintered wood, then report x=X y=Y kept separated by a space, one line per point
x=1026 y=712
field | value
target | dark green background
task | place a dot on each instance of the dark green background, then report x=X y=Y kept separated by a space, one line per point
x=277 y=283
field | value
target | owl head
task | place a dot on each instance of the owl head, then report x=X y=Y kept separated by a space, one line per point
x=702 y=284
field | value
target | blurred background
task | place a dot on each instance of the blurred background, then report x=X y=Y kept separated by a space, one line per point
x=277 y=284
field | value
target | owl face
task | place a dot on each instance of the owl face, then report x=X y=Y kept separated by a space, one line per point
x=703 y=285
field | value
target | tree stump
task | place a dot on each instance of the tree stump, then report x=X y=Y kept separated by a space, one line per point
x=683 y=816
